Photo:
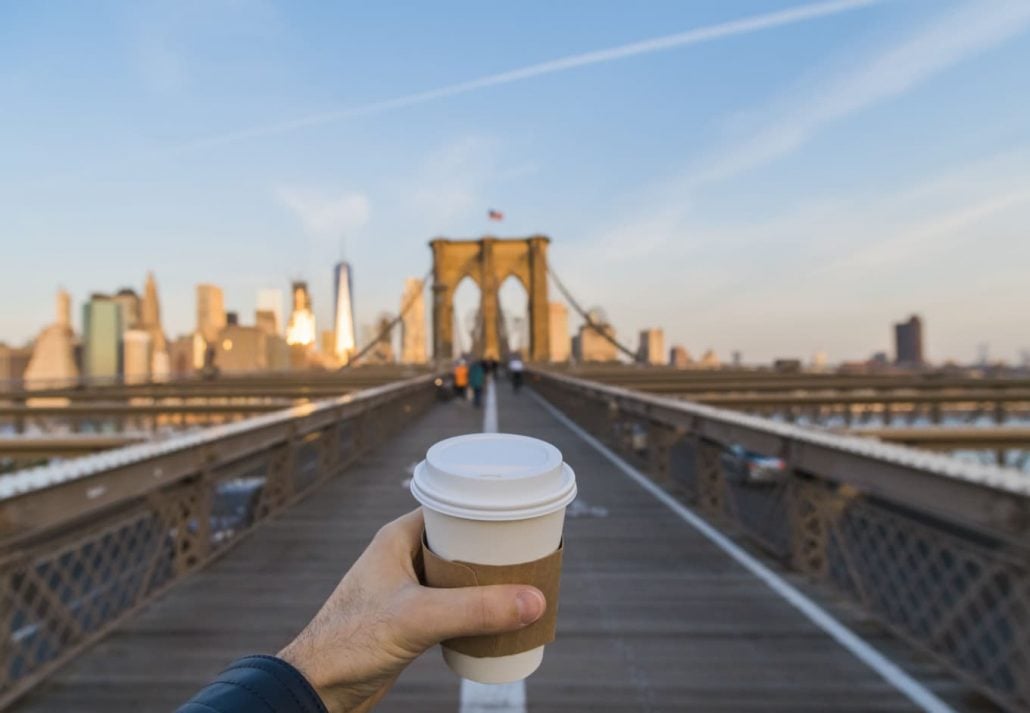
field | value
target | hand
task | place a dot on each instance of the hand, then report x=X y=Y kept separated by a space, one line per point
x=380 y=618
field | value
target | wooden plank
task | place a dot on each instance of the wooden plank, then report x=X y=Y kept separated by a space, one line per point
x=653 y=617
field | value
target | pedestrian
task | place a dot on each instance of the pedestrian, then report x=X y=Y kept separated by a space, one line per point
x=461 y=378
x=477 y=375
x=515 y=368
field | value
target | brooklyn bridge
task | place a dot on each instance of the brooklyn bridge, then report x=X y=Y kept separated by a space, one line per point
x=743 y=539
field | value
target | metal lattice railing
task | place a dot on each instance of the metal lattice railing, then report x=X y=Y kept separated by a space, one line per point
x=70 y=568
x=937 y=550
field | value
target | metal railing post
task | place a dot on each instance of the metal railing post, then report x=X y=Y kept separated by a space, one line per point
x=711 y=489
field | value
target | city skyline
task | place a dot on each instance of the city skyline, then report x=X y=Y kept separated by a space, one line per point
x=805 y=179
x=656 y=352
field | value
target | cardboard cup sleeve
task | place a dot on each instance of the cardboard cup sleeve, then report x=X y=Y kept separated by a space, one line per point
x=544 y=574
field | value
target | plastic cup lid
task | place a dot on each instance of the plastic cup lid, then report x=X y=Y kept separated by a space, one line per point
x=493 y=476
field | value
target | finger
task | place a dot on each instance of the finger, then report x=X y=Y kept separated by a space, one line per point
x=409 y=526
x=405 y=530
x=398 y=544
x=441 y=614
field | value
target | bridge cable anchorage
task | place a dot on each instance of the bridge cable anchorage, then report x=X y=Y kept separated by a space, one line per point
x=858 y=647
x=388 y=328
x=589 y=320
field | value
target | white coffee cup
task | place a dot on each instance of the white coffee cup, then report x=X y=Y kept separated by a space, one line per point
x=494 y=499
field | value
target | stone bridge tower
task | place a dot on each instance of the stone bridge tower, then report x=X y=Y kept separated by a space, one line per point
x=489 y=261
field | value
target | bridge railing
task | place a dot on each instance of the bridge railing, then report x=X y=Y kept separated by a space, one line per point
x=86 y=542
x=938 y=550
x=367 y=374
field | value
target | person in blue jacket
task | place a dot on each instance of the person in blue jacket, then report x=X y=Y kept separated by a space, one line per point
x=477 y=377
x=376 y=622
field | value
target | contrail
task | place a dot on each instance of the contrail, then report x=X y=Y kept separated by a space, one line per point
x=747 y=25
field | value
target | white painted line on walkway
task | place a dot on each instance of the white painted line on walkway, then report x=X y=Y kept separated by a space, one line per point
x=481 y=697
x=490 y=406
x=485 y=698
x=908 y=686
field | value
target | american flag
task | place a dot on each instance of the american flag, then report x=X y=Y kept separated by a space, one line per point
x=495 y=215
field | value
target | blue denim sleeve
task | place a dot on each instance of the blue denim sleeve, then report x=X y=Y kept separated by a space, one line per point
x=256 y=684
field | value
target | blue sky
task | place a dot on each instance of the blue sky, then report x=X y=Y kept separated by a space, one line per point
x=791 y=182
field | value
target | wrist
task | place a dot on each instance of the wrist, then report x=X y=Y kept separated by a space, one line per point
x=338 y=693
x=293 y=655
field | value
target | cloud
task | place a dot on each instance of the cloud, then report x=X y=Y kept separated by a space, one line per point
x=955 y=37
x=169 y=43
x=907 y=245
x=327 y=216
x=831 y=274
x=661 y=218
x=451 y=184
x=710 y=33
x=858 y=245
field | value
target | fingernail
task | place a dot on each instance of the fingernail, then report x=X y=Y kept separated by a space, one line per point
x=531 y=605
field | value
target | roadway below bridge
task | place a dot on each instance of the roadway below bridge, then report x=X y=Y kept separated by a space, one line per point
x=655 y=615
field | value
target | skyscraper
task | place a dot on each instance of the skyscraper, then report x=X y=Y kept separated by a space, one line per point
x=150 y=322
x=129 y=302
x=301 y=329
x=679 y=357
x=150 y=315
x=53 y=354
x=210 y=312
x=413 y=323
x=137 y=356
x=266 y=321
x=270 y=299
x=343 y=312
x=180 y=356
x=242 y=350
x=558 y=324
x=14 y=363
x=101 y=338
x=652 y=346
x=710 y=360
x=382 y=352
x=327 y=345
x=64 y=309
x=595 y=346
x=908 y=341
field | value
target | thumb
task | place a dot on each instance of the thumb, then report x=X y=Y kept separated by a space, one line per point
x=473 y=611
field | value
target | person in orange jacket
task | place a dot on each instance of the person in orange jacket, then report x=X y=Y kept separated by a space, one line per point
x=461 y=378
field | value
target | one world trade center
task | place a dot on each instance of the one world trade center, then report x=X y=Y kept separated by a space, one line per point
x=343 y=319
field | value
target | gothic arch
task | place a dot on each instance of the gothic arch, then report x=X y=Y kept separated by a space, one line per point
x=489 y=261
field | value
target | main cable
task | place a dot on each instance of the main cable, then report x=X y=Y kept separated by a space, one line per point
x=588 y=319
x=385 y=331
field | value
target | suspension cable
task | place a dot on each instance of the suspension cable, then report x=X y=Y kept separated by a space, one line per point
x=599 y=329
x=589 y=320
x=389 y=327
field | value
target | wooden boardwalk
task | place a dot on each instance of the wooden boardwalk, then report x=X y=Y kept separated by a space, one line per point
x=653 y=616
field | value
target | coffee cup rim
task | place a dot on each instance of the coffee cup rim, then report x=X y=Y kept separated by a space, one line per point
x=493 y=476
x=435 y=500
